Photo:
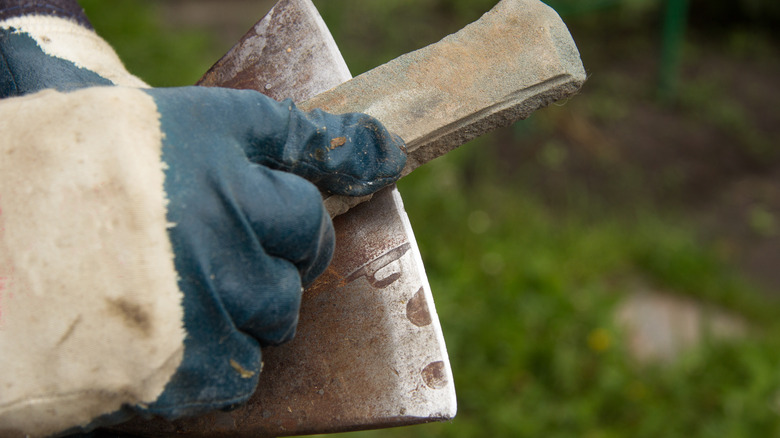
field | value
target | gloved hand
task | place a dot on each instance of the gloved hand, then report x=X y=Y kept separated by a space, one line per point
x=152 y=240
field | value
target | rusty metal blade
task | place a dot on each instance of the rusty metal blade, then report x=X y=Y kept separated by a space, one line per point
x=369 y=351
x=289 y=53
x=515 y=59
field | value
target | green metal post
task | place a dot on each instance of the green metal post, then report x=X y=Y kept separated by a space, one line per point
x=671 y=50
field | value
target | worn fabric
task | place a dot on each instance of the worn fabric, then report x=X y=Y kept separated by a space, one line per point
x=51 y=52
x=91 y=309
x=190 y=215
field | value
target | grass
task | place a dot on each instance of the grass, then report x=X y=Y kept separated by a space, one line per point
x=526 y=295
x=526 y=288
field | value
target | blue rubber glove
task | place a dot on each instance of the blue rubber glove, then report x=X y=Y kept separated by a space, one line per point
x=246 y=223
x=247 y=238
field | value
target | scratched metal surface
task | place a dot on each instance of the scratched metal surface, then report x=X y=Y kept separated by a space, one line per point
x=369 y=351
x=288 y=54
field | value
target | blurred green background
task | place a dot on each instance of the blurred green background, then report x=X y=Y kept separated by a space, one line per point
x=649 y=200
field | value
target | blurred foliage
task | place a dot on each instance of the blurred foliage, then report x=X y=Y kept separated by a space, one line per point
x=526 y=295
x=713 y=15
x=151 y=50
x=373 y=32
x=527 y=280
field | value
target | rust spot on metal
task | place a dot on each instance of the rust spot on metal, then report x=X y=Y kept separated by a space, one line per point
x=417 y=310
x=434 y=375
x=372 y=268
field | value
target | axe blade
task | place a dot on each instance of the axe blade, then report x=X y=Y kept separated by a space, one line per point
x=289 y=53
x=369 y=351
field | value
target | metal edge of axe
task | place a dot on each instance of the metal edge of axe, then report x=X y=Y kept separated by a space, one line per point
x=291 y=54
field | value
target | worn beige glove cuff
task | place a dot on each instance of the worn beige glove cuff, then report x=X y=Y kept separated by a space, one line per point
x=66 y=39
x=90 y=310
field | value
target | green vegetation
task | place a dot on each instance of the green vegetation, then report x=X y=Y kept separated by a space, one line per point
x=526 y=295
x=528 y=260
x=155 y=53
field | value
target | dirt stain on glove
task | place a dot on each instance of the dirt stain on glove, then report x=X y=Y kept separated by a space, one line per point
x=133 y=314
x=245 y=373
x=338 y=142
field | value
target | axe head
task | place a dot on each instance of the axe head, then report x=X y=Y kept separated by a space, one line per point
x=369 y=351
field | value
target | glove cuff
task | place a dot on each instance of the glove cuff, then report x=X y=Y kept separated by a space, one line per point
x=66 y=39
x=91 y=309
x=69 y=9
